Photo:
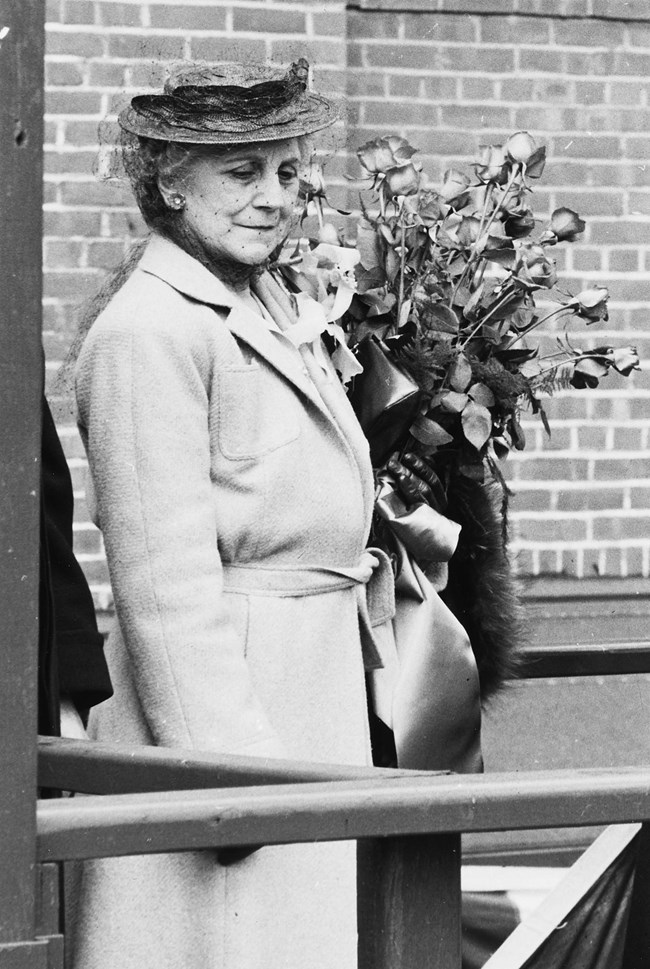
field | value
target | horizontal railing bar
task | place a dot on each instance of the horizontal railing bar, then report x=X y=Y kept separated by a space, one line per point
x=553 y=590
x=609 y=659
x=90 y=767
x=126 y=824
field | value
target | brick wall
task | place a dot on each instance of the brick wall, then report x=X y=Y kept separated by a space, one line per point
x=447 y=74
x=450 y=75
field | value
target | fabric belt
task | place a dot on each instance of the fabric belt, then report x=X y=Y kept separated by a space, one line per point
x=372 y=577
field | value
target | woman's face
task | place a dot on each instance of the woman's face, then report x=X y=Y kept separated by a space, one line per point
x=239 y=203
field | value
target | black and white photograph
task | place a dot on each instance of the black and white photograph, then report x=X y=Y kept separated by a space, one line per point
x=325 y=484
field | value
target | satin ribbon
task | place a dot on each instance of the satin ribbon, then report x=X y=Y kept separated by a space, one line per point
x=343 y=359
x=427 y=690
x=426 y=534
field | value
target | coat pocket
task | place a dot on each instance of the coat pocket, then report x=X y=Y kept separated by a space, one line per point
x=258 y=412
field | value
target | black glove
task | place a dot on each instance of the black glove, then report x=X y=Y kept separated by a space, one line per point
x=417 y=481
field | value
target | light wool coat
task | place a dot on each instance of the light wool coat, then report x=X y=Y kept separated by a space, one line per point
x=225 y=488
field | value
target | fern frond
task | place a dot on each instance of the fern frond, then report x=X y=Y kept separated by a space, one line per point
x=557 y=379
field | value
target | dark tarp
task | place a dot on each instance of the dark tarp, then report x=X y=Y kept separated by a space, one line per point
x=591 y=936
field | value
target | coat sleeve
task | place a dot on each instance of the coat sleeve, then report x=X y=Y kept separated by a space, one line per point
x=142 y=394
x=70 y=615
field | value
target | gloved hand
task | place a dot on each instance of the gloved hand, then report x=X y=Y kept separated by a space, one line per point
x=416 y=481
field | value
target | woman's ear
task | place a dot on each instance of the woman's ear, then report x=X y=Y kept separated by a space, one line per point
x=172 y=173
x=165 y=188
x=172 y=198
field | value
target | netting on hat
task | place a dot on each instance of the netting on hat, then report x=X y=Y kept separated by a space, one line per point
x=208 y=104
x=205 y=105
x=108 y=165
x=231 y=104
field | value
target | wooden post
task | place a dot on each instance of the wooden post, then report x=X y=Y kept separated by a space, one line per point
x=409 y=902
x=21 y=140
x=48 y=912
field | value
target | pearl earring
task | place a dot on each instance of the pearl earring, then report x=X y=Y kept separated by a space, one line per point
x=176 y=201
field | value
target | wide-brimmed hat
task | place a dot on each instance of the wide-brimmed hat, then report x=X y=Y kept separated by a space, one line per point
x=230 y=104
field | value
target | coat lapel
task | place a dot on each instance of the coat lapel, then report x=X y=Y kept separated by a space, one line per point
x=276 y=350
x=331 y=400
x=174 y=266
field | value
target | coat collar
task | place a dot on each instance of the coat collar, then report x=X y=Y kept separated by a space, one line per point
x=188 y=276
x=167 y=261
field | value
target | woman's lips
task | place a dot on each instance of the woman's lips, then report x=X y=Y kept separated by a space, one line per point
x=260 y=228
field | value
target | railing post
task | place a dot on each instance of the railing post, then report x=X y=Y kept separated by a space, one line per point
x=409 y=902
x=21 y=168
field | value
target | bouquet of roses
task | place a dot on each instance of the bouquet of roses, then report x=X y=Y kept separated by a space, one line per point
x=440 y=296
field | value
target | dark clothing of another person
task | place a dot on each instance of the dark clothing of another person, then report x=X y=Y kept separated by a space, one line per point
x=70 y=647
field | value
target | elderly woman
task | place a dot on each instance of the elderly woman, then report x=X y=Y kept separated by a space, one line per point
x=234 y=491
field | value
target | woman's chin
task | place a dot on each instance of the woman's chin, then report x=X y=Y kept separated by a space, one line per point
x=254 y=246
x=254 y=254
x=257 y=255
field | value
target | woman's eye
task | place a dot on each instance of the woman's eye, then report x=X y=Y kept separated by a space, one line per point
x=244 y=174
x=288 y=174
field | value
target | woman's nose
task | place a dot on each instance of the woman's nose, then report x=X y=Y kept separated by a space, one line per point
x=269 y=194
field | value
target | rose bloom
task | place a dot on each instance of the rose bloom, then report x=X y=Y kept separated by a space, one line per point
x=514 y=201
x=430 y=208
x=493 y=164
x=520 y=146
x=382 y=154
x=566 y=224
x=536 y=269
x=591 y=304
x=404 y=180
x=468 y=230
x=520 y=225
x=625 y=360
x=453 y=184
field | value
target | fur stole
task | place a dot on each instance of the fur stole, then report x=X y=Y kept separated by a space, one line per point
x=482 y=591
